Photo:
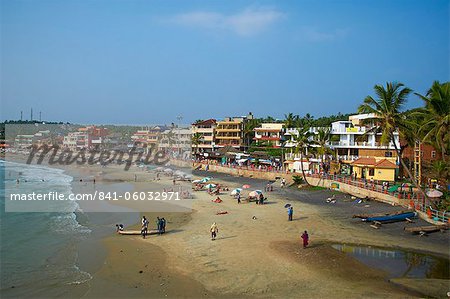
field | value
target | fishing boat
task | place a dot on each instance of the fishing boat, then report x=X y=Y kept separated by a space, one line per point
x=392 y=218
x=137 y=232
x=364 y=216
x=426 y=229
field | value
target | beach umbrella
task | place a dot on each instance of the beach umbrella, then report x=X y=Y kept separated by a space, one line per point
x=434 y=193
x=287 y=205
x=159 y=168
x=210 y=186
x=196 y=181
x=179 y=173
x=236 y=191
x=206 y=179
x=246 y=186
x=255 y=193
x=168 y=170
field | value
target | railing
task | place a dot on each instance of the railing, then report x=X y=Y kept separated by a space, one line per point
x=410 y=197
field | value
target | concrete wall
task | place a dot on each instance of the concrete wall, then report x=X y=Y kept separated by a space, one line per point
x=345 y=188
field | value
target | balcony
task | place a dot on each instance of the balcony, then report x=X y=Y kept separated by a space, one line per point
x=360 y=144
x=352 y=130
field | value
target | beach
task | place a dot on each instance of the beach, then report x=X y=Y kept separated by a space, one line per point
x=257 y=253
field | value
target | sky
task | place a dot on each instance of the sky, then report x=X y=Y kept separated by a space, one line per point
x=147 y=62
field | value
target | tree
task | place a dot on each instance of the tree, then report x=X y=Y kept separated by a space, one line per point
x=248 y=131
x=290 y=120
x=436 y=124
x=386 y=112
x=322 y=138
x=196 y=139
x=303 y=140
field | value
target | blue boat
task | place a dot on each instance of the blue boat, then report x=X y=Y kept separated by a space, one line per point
x=391 y=218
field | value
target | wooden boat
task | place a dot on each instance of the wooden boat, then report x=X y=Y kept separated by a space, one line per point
x=426 y=229
x=137 y=232
x=364 y=216
x=391 y=218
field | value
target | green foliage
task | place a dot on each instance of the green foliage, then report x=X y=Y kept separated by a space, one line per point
x=436 y=116
x=298 y=180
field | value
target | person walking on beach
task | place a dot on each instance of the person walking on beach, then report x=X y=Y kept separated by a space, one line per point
x=144 y=229
x=290 y=213
x=239 y=198
x=305 y=238
x=214 y=230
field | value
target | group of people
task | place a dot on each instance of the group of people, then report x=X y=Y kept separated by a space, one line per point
x=269 y=187
x=260 y=199
x=160 y=224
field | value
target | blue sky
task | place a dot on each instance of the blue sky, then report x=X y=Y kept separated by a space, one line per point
x=137 y=62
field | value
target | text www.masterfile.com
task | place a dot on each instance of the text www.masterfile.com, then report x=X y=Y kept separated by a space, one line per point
x=97 y=195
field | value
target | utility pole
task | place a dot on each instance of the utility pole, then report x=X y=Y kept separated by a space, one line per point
x=40 y=116
x=21 y=115
x=179 y=118
x=31 y=114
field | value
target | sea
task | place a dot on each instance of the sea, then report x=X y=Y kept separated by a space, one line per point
x=38 y=250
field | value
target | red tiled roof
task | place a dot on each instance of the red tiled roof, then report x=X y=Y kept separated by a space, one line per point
x=364 y=161
x=385 y=164
x=207 y=122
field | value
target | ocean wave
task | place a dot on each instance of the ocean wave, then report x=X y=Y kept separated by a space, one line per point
x=82 y=276
x=67 y=223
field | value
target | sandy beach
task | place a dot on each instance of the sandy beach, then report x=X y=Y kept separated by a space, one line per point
x=258 y=253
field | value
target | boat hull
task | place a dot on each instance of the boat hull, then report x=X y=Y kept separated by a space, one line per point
x=391 y=218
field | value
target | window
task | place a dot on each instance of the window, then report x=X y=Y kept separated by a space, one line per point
x=388 y=154
x=371 y=172
x=433 y=154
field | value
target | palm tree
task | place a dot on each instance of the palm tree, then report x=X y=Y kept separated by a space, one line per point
x=321 y=139
x=437 y=116
x=302 y=142
x=387 y=113
x=290 y=120
x=248 y=131
x=196 y=139
x=440 y=170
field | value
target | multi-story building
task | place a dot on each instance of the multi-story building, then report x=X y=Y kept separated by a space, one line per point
x=30 y=139
x=230 y=132
x=147 y=137
x=269 y=134
x=355 y=139
x=176 y=141
x=206 y=129
x=85 y=138
x=350 y=140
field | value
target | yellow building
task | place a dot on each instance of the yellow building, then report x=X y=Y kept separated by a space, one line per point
x=379 y=169
x=229 y=132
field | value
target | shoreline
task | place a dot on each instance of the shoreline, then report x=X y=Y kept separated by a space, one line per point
x=187 y=258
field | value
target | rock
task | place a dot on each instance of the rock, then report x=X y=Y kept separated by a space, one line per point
x=141 y=271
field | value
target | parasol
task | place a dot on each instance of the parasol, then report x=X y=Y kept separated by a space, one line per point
x=236 y=191
x=434 y=193
x=255 y=193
